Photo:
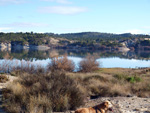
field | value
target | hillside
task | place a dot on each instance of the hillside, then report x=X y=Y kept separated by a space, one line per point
x=83 y=40
x=109 y=41
x=30 y=38
x=40 y=38
x=98 y=35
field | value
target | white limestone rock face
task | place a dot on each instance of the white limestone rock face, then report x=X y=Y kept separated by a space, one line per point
x=5 y=46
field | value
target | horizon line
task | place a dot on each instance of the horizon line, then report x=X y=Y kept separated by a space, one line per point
x=77 y=32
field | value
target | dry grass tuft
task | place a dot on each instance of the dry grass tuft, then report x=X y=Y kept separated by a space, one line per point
x=3 y=78
x=62 y=63
x=124 y=82
x=89 y=64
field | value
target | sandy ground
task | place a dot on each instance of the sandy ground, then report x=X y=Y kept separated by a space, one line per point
x=11 y=78
x=122 y=104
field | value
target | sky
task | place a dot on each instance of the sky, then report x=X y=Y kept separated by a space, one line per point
x=71 y=16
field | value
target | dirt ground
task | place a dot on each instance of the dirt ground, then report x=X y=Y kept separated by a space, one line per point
x=125 y=104
x=122 y=104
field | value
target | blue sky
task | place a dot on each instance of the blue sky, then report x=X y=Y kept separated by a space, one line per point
x=70 y=16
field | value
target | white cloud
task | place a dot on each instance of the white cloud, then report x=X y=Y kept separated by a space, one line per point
x=3 y=29
x=146 y=27
x=66 y=10
x=6 y=2
x=135 y=31
x=26 y=24
x=59 y=1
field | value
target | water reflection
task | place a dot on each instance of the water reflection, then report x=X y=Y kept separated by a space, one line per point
x=128 y=59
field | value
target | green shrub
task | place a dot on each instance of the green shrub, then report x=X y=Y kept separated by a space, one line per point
x=134 y=79
x=131 y=79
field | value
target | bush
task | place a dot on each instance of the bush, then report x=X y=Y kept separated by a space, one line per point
x=121 y=76
x=43 y=93
x=62 y=63
x=134 y=79
x=131 y=79
x=97 y=77
x=3 y=78
x=11 y=66
x=88 y=64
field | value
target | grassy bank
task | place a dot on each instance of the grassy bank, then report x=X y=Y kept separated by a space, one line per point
x=115 y=82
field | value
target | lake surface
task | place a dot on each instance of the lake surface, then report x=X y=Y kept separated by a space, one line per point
x=107 y=59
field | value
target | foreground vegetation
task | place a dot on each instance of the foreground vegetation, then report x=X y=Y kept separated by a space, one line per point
x=115 y=82
x=42 y=93
x=61 y=89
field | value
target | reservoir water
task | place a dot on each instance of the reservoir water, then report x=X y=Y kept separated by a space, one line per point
x=107 y=59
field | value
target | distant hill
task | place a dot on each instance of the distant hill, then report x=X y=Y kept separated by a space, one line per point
x=98 y=35
x=29 y=38
x=83 y=39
